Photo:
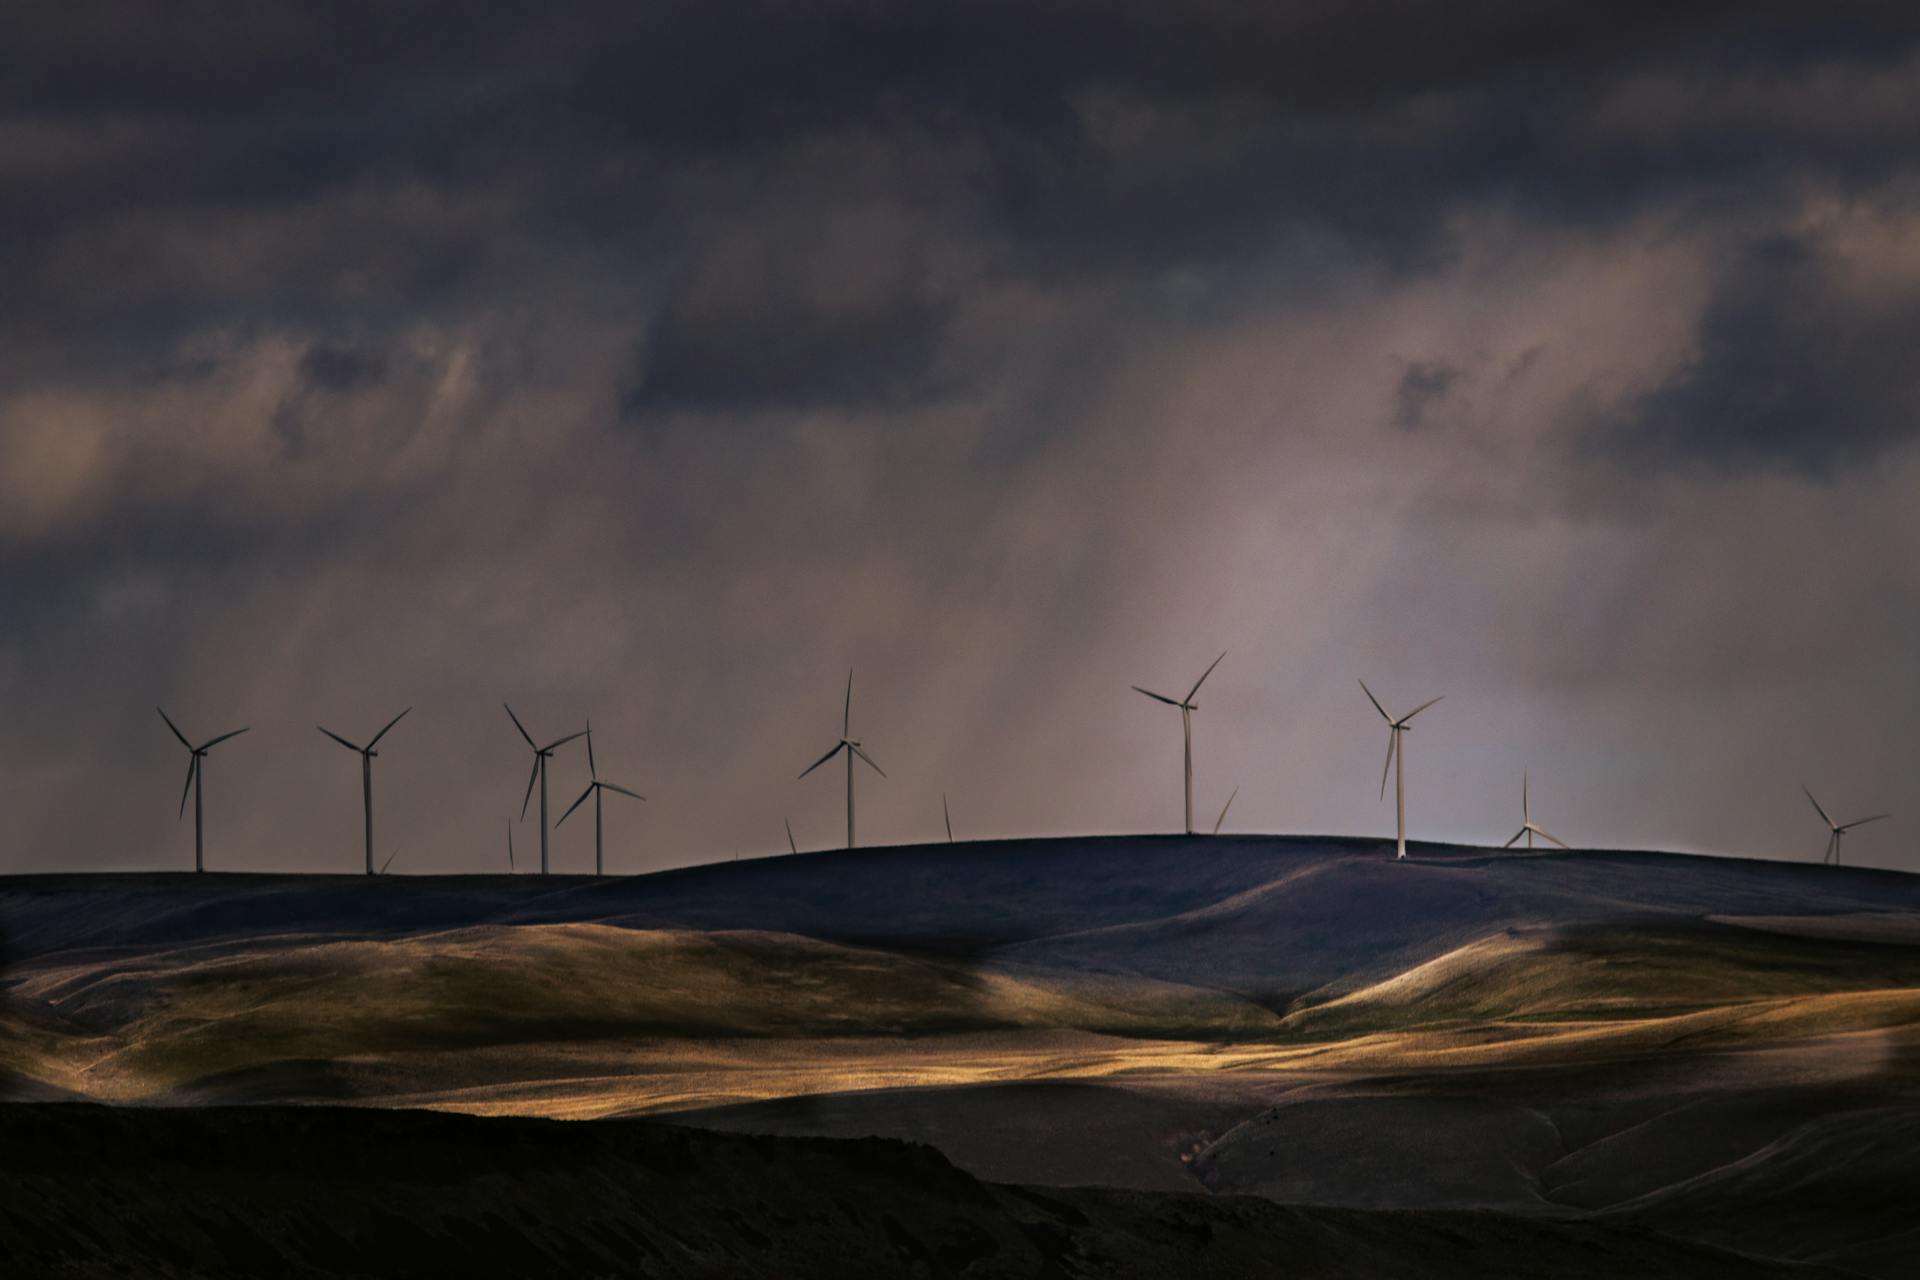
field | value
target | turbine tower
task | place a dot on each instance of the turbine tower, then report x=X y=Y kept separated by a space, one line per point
x=1396 y=752
x=1187 y=708
x=196 y=773
x=594 y=788
x=852 y=749
x=367 y=753
x=1837 y=829
x=1527 y=827
x=540 y=755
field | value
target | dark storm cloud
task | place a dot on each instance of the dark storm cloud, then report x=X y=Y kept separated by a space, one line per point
x=1107 y=137
x=331 y=366
x=1797 y=367
x=1422 y=387
x=790 y=356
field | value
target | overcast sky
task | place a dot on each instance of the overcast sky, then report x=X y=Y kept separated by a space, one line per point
x=658 y=363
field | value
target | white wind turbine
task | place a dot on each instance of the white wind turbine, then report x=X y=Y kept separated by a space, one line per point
x=594 y=788
x=367 y=753
x=540 y=756
x=196 y=779
x=1396 y=753
x=1837 y=829
x=852 y=749
x=1187 y=708
x=1527 y=827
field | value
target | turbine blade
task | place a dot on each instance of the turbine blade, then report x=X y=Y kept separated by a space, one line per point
x=1376 y=702
x=531 y=779
x=946 y=814
x=1525 y=812
x=510 y=866
x=1203 y=676
x=1545 y=834
x=1223 y=811
x=1393 y=740
x=1861 y=822
x=176 y=730
x=561 y=742
x=389 y=861
x=593 y=770
x=383 y=733
x=522 y=728
x=1422 y=707
x=869 y=759
x=846 y=714
x=823 y=759
x=1157 y=697
x=1516 y=835
x=577 y=803
x=214 y=742
x=337 y=738
x=1816 y=806
x=614 y=786
x=193 y=763
x=791 y=846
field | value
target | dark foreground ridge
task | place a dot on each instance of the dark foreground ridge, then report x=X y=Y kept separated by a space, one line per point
x=288 y=1191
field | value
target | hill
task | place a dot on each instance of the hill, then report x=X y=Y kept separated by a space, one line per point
x=1656 y=1041
x=313 y=1192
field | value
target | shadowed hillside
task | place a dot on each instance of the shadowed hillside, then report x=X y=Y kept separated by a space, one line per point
x=320 y=1193
x=973 y=898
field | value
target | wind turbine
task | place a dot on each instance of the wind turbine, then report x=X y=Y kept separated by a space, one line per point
x=367 y=753
x=1187 y=708
x=594 y=789
x=1527 y=827
x=1223 y=811
x=196 y=774
x=540 y=755
x=1396 y=751
x=1837 y=829
x=852 y=749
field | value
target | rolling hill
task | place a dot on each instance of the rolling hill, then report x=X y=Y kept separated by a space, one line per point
x=1666 y=1043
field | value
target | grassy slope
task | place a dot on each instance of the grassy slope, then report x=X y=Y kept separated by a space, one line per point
x=154 y=982
x=173 y=1018
x=1587 y=972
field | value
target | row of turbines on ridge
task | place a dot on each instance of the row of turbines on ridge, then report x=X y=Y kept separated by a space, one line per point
x=1397 y=729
